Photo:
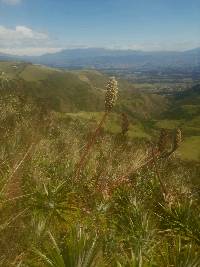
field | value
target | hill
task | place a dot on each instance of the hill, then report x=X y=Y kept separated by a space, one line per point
x=73 y=91
x=78 y=96
x=184 y=112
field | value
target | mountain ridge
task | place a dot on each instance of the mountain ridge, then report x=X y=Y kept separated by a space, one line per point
x=101 y=58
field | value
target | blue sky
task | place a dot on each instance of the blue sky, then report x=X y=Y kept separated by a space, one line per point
x=40 y=26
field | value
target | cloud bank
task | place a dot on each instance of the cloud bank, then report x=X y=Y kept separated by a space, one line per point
x=23 y=40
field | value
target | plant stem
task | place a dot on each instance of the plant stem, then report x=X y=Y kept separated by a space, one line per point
x=89 y=145
x=163 y=187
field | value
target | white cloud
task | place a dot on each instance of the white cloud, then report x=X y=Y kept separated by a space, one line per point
x=20 y=33
x=29 y=33
x=30 y=51
x=11 y=2
x=25 y=41
x=156 y=46
x=169 y=46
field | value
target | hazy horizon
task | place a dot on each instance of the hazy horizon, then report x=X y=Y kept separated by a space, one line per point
x=57 y=50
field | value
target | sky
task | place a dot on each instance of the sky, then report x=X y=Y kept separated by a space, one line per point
x=35 y=27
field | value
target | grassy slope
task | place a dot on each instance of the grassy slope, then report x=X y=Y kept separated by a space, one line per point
x=82 y=90
x=88 y=82
x=185 y=113
x=80 y=94
x=190 y=148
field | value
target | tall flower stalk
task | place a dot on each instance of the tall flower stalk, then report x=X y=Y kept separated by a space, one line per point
x=125 y=124
x=177 y=139
x=110 y=100
x=111 y=94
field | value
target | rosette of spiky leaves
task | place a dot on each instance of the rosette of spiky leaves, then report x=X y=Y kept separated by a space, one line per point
x=178 y=253
x=80 y=248
x=111 y=94
x=134 y=224
x=52 y=202
x=182 y=218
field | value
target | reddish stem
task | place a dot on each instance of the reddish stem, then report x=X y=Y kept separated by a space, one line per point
x=90 y=145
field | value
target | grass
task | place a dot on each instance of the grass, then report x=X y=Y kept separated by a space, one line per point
x=34 y=73
x=190 y=148
x=168 y=124
x=115 y=214
x=78 y=95
x=56 y=222
x=81 y=90
x=136 y=130
x=191 y=130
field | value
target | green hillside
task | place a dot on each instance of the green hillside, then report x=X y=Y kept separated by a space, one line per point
x=77 y=91
x=184 y=112
x=83 y=184
x=80 y=90
x=79 y=96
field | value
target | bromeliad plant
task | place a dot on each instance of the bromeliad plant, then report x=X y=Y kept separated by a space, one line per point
x=79 y=248
x=163 y=149
x=110 y=100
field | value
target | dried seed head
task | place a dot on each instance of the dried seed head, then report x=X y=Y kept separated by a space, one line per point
x=125 y=124
x=162 y=143
x=111 y=94
x=177 y=139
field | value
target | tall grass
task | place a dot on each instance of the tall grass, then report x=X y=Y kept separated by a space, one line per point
x=132 y=205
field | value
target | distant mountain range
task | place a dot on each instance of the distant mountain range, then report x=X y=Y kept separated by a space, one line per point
x=100 y=58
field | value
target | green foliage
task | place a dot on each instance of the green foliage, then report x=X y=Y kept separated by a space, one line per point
x=48 y=217
x=180 y=254
x=182 y=218
x=79 y=249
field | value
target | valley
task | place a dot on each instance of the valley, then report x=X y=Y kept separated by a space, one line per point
x=77 y=95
